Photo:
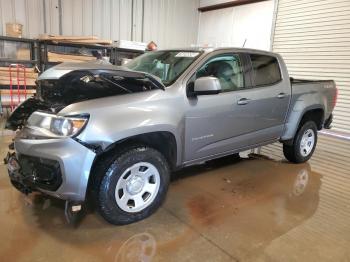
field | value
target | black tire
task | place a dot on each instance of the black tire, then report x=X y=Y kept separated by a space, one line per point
x=108 y=172
x=293 y=152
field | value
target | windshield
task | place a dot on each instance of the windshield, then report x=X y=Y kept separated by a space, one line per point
x=167 y=65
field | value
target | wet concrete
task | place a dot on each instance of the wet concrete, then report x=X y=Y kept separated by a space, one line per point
x=258 y=208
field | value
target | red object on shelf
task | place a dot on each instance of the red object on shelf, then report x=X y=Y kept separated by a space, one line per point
x=20 y=72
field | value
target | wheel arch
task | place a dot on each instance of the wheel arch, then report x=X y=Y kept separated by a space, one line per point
x=314 y=113
x=163 y=141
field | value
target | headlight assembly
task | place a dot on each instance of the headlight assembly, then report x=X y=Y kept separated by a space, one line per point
x=57 y=125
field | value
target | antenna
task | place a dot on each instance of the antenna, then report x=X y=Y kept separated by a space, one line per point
x=245 y=40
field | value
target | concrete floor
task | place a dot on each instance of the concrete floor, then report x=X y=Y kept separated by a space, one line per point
x=253 y=209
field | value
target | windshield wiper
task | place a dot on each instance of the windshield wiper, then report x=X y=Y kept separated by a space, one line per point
x=154 y=81
x=115 y=84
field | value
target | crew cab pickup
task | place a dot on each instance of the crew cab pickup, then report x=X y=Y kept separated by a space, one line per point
x=113 y=135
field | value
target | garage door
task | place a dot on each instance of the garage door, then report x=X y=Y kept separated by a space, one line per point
x=314 y=39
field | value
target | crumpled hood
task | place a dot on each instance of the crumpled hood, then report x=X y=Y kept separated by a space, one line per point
x=70 y=83
x=59 y=70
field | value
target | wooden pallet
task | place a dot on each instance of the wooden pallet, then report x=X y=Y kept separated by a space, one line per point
x=31 y=76
x=91 y=40
x=60 y=58
x=15 y=92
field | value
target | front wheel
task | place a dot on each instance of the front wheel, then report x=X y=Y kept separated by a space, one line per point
x=303 y=145
x=132 y=185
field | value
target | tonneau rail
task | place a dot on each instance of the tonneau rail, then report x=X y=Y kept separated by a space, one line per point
x=305 y=81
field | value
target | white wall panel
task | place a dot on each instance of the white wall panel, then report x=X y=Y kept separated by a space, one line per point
x=7 y=13
x=107 y=19
x=233 y=26
x=34 y=18
x=216 y=27
x=125 y=13
x=52 y=17
x=137 y=26
x=171 y=23
x=27 y=12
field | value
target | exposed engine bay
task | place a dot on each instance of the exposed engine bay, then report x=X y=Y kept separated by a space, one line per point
x=80 y=85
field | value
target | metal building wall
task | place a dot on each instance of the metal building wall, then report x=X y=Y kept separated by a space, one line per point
x=170 y=23
x=108 y=19
x=27 y=12
x=313 y=37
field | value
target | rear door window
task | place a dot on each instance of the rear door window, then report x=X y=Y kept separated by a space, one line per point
x=265 y=70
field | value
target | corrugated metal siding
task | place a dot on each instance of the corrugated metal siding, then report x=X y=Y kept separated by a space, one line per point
x=107 y=19
x=51 y=8
x=313 y=37
x=170 y=23
x=164 y=20
x=27 y=12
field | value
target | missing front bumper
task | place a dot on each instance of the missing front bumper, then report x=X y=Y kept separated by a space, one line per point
x=38 y=172
x=20 y=182
x=56 y=167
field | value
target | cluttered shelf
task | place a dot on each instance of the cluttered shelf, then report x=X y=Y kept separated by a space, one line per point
x=19 y=62
x=22 y=60
x=56 y=49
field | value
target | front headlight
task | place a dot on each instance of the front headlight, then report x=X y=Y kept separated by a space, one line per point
x=57 y=125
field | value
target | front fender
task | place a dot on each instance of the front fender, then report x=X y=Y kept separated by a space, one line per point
x=107 y=126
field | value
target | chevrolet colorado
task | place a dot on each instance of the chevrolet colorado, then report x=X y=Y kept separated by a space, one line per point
x=116 y=133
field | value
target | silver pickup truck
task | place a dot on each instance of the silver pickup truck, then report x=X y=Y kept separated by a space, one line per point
x=114 y=134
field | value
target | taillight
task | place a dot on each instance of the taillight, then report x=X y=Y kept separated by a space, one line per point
x=335 y=97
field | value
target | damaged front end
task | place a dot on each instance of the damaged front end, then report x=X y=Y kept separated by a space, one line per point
x=14 y=170
x=45 y=153
x=27 y=173
x=19 y=116
x=67 y=84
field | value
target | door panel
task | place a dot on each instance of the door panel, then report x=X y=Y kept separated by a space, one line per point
x=269 y=96
x=241 y=118
x=217 y=123
x=264 y=110
x=208 y=124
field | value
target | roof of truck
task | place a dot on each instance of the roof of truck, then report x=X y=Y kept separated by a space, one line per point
x=61 y=69
x=212 y=49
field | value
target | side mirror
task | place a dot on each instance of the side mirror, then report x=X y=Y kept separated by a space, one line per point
x=207 y=85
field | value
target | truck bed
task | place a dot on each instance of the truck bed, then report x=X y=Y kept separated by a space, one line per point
x=318 y=93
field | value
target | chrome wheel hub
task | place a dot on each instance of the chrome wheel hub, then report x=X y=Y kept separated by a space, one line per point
x=135 y=184
x=307 y=142
x=137 y=187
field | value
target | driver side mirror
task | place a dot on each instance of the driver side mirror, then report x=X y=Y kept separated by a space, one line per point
x=207 y=85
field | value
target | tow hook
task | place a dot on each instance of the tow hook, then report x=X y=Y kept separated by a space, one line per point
x=72 y=211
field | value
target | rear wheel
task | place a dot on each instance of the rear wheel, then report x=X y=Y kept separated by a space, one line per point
x=132 y=185
x=304 y=143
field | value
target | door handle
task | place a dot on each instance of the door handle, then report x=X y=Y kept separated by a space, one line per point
x=281 y=95
x=243 y=101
